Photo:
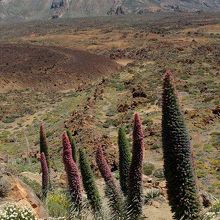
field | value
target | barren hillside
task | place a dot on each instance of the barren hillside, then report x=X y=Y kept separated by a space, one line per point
x=50 y=68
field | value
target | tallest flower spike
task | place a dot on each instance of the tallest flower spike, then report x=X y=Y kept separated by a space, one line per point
x=178 y=162
x=135 y=183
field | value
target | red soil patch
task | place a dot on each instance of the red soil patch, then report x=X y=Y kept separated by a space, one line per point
x=50 y=68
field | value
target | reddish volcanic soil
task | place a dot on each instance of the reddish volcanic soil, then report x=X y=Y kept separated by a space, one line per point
x=50 y=68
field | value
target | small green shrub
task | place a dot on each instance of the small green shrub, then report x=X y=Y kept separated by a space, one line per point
x=118 y=85
x=155 y=146
x=111 y=112
x=208 y=148
x=151 y=196
x=110 y=122
x=58 y=204
x=148 y=169
x=4 y=187
x=148 y=122
x=159 y=173
x=8 y=119
x=200 y=72
x=116 y=175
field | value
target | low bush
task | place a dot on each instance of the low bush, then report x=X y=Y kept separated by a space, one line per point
x=58 y=204
x=159 y=173
x=148 y=169
x=14 y=212
x=151 y=196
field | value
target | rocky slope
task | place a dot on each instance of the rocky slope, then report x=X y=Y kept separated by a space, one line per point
x=30 y=9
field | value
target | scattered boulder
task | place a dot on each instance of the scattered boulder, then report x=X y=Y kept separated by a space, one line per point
x=216 y=111
x=123 y=107
x=138 y=93
x=206 y=199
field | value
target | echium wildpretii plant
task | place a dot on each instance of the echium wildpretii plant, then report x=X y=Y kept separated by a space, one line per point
x=124 y=159
x=43 y=143
x=178 y=161
x=45 y=176
x=90 y=184
x=112 y=190
x=135 y=182
x=73 y=174
x=73 y=144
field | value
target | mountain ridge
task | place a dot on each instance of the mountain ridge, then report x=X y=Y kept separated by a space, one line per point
x=46 y=9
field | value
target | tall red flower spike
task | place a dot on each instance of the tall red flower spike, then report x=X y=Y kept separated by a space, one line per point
x=73 y=174
x=43 y=143
x=112 y=190
x=104 y=167
x=45 y=175
x=135 y=183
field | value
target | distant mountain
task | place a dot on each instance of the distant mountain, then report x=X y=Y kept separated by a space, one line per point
x=24 y=9
x=45 y=9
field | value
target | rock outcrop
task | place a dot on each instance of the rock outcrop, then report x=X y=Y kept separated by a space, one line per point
x=58 y=8
x=18 y=193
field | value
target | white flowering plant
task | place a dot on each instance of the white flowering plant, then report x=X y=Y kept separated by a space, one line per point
x=12 y=212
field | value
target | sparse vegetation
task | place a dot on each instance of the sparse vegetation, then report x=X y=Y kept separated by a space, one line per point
x=97 y=107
